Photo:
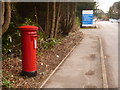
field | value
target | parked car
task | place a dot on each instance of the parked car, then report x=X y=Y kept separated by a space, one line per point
x=113 y=20
x=118 y=20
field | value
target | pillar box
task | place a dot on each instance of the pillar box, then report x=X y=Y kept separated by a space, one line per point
x=28 y=39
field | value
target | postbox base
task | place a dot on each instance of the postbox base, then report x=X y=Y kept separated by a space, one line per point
x=29 y=74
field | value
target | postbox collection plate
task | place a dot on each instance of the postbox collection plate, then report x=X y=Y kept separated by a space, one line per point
x=35 y=44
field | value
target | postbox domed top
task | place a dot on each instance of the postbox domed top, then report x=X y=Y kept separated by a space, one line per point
x=28 y=28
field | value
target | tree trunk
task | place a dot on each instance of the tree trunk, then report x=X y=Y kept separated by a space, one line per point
x=47 y=21
x=3 y=10
x=36 y=15
x=57 y=19
x=67 y=19
x=1 y=19
x=7 y=17
x=53 y=20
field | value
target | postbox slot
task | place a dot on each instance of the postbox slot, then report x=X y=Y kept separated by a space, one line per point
x=31 y=33
x=35 y=35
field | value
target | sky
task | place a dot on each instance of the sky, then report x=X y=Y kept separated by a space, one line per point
x=105 y=4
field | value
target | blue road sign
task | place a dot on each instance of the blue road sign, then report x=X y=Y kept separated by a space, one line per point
x=87 y=17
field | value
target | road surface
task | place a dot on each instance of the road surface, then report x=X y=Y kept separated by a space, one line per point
x=82 y=69
x=109 y=35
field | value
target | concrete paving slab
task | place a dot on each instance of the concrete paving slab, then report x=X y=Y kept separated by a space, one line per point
x=82 y=69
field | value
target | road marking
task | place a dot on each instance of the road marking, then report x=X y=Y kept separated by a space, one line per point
x=104 y=74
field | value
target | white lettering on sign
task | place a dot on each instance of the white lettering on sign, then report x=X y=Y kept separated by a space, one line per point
x=35 y=44
x=87 y=12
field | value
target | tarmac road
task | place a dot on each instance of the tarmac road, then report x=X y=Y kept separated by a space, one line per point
x=82 y=69
x=109 y=35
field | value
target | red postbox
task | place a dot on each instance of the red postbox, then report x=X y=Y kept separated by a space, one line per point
x=28 y=39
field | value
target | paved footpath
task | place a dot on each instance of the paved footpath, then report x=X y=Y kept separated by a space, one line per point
x=82 y=69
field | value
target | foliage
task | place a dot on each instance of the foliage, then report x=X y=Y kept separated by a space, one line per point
x=46 y=43
x=49 y=43
x=6 y=83
x=28 y=21
x=114 y=10
x=11 y=42
x=77 y=21
x=100 y=14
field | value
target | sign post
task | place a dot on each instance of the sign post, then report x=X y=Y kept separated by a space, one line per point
x=87 y=18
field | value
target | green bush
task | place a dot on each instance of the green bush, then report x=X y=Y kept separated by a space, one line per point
x=45 y=42
x=28 y=21
x=11 y=40
x=6 y=83
x=49 y=43
x=77 y=21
